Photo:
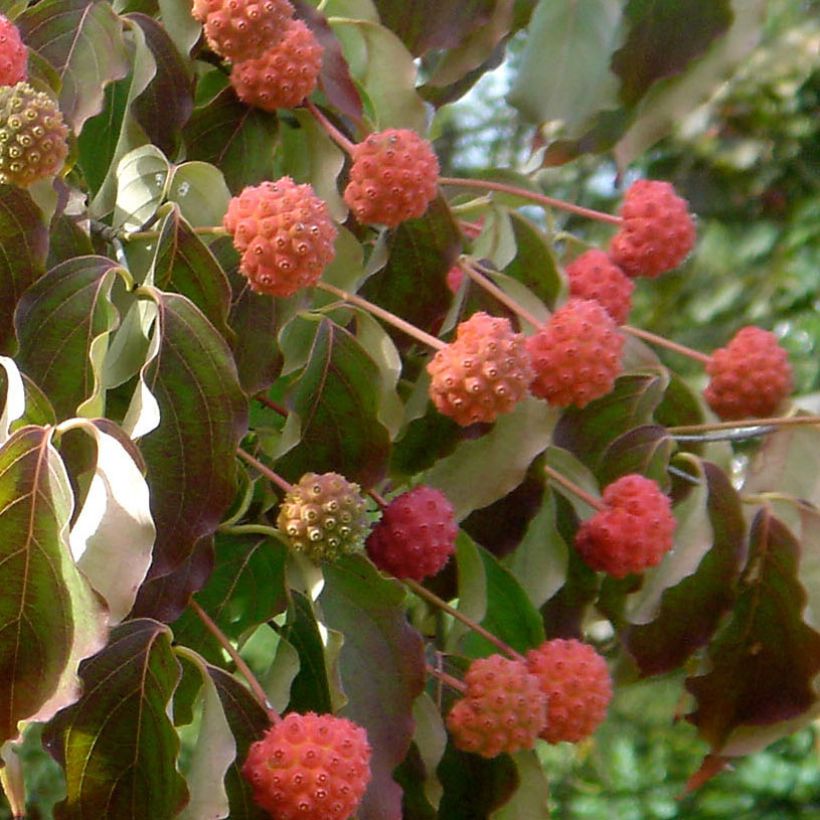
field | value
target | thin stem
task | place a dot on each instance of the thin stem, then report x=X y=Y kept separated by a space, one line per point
x=479 y=275
x=541 y=199
x=432 y=598
x=222 y=638
x=453 y=683
x=207 y=230
x=574 y=488
x=275 y=406
x=654 y=339
x=379 y=499
x=273 y=477
x=384 y=315
x=332 y=131
x=781 y=421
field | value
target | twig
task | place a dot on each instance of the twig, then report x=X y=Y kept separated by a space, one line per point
x=265 y=471
x=575 y=489
x=479 y=275
x=660 y=341
x=778 y=421
x=453 y=683
x=332 y=131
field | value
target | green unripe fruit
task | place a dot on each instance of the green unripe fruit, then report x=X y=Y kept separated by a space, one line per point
x=323 y=516
x=32 y=135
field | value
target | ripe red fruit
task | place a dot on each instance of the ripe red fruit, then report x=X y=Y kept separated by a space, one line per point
x=483 y=373
x=13 y=54
x=633 y=533
x=284 y=233
x=309 y=767
x=394 y=177
x=242 y=29
x=576 y=681
x=503 y=710
x=576 y=355
x=455 y=276
x=593 y=275
x=416 y=535
x=749 y=377
x=284 y=75
x=657 y=232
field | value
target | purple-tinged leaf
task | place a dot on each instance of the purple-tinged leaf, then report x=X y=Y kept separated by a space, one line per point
x=191 y=455
x=248 y=722
x=654 y=47
x=63 y=322
x=66 y=240
x=117 y=744
x=381 y=663
x=236 y=138
x=49 y=618
x=336 y=400
x=434 y=24
x=24 y=240
x=645 y=450
x=682 y=602
x=764 y=661
x=84 y=43
x=165 y=106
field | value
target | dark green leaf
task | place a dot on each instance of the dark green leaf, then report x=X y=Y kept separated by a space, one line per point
x=534 y=263
x=369 y=610
x=117 y=744
x=646 y=450
x=763 y=664
x=473 y=785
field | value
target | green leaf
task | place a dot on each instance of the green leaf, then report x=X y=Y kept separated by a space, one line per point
x=63 y=323
x=14 y=404
x=112 y=537
x=646 y=450
x=236 y=138
x=369 y=610
x=247 y=721
x=505 y=610
x=413 y=282
x=201 y=193
x=214 y=750
x=183 y=262
x=190 y=456
x=382 y=65
x=142 y=183
x=24 y=243
x=565 y=73
x=534 y=264
x=84 y=43
x=117 y=745
x=483 y=470
x=531 y=798
x=49 y=618
x=764 y=661
x=336 y=400
x=682 y=600
x=474 y=785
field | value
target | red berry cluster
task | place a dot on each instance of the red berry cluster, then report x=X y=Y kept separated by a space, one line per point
x=284 y=233
x=309 y=767
x=13 y=54
x=634 y=530
x=593 y=275
x=503 y=710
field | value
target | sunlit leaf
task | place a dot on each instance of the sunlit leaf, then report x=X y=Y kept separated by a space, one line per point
x=14 y=404
x=142 y=183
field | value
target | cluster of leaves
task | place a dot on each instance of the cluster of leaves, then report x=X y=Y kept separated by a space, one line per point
x=138 y=361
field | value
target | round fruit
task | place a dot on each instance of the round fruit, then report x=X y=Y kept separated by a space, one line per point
x=749 y=377
x=416 y=535
x=309 y=767
x=284 y=233
x=485 y=372
x=13 y=54
x=593 y=275
x=324 y=516
x=394 y=177
x=632 y=533
x=576 y=681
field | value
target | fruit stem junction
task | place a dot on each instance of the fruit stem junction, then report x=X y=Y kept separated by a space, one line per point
x=575 y=489
x=330 y=129
x=449 y=680
x=273 y=477
x=480 y=275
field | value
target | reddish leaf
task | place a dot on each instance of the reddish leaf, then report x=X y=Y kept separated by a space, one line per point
x=764 y=661
x=646 y=450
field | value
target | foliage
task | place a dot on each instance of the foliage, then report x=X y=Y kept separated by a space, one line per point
x=150 y=394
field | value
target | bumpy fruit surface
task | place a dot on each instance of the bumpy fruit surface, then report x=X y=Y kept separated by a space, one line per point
x=416 y=535
x=483 y=373
x=284 y=75
x=749 y=377
x=593 y=275
x=393 y=178
x=657 y=232
x=13 y=54
x=284 y=233
x=32 y=135
x=576 y=355
x=242 y=29
x=504 y=709
x=324 y=516
x=310 y=767
x=576 y=681
x=632 y=533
